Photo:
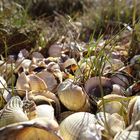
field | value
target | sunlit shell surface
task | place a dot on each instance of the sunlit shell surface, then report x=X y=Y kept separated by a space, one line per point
x=12 y=112
x=45 y=111
x=71 y=95
x=80 y=126
x=31 y=130
x=49 y=79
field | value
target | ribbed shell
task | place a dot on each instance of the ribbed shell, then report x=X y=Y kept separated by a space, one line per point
x=80 y=126
x=13 y=112
x=128 y=135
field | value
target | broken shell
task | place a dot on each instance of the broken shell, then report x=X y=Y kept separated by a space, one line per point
x=30 y=83
x=69 y=94
x=134 y=109
x=46 y=97
x=82 y=126
x=31 y=130
x=12 y=112
x=93 y=86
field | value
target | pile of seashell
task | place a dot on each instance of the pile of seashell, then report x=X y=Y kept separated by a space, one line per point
x=61 y=96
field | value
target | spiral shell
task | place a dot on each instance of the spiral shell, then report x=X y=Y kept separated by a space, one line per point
x=13 y=112
x=82 y=126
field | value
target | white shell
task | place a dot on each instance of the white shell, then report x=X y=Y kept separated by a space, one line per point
x=127 y=135
x=80 y=126
x=13 y=112
x=45 y=111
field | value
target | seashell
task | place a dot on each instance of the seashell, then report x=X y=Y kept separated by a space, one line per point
x=55 y=50
x=64 y=115
x=119 y=90
x=102 y=118
x=112 y=65
x=70 y=64
x=116 y=124
x=92 y=86
x=36 y=83
x=45 y=111
x=37 y=129
x=82 y=126
x=37 y=55
x=51 y=79
x=22 y=84
x=46 y=97
x=134 y=89
x=134 y=109
x=13 y=112
x=112 y=124
x=69 y=94
x=113 y=107
x=30 y=83
x=127 y=135
x=122 y=79
x=22 y=65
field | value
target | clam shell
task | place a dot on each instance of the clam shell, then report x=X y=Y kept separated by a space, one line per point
x=12 y=112
x=70 y=95
x=112 y=123
x=92 y=86
x=127 y=135
x=50 y=79
x=45 y=111
x=134 y=109
x=30 y=83
x=82 y=126
x=31 y=130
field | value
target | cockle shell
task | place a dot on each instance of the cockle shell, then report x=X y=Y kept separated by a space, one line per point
x=82 y=126
x=127 y=135
x=134 y=109
x=12 y=112
x=37 y=129
x=112 y=123
x=70 y=94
